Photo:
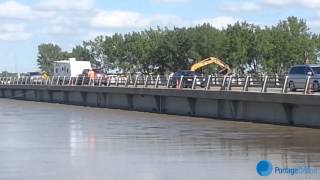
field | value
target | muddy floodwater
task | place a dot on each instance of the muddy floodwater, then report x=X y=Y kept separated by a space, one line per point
x=41 y=141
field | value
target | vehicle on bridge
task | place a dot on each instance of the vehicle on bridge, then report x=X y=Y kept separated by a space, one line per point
x=99 y=75
x=189 y=75
x=225 y=69
x=298 y=74
x=70 y=68
x=187 y=78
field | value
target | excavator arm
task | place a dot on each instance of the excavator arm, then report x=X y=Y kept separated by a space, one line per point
x=211 y=60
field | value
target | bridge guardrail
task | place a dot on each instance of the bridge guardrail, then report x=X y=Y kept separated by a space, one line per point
x=220 y=83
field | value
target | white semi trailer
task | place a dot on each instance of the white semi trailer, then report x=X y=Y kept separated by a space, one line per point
x=70 y=68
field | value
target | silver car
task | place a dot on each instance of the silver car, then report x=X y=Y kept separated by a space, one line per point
x=298 y=76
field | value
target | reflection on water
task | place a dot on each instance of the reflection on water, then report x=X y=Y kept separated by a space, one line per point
x=51 y=141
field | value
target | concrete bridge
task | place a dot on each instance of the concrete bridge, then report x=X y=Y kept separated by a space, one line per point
x=278 y=108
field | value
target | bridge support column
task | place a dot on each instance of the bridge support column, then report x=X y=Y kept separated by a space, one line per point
x=84 y=96
x=192 y=105
x=12 y=93
x=161 y=104
x=130 y=101
x=2 y=93
x=288 y=108
x=50 y=94
x=66 y=97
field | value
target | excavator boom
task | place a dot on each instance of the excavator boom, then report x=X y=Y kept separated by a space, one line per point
x=211 y=60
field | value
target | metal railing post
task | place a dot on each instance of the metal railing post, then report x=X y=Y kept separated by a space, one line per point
x=117 y=81
x=93 y=81
x=57 y=83
x=109 y=81
x=47 y=80
x=52 y=80
x=168 y=82
x=146 y=81
x=64 y=80
x=284 y=88
x=76 y=83
x=264 y=86
x=223 y=83
x=89 y=83
x=82 y=82
x=230 y=82
x=136 y=81
x=25 y=80
x=307 y=85
x=127 y=80
x=180 y=83
x=100 y=81
x=157 y=81
x=194 y=82
x=70 y=79
x=208 y=83
x=246 y=84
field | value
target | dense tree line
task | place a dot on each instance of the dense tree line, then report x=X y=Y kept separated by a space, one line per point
x=245 y=47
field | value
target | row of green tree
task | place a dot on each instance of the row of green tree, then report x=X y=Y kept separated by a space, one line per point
x=245 y=47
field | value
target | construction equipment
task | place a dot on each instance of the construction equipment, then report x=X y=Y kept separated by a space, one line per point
x=212 y=60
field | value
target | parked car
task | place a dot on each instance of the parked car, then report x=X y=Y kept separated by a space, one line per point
x=187 y=80
x=298 y=74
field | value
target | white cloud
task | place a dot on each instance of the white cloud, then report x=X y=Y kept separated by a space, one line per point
x=15 y=10
x=67 y=4
x=264 y=4
x=12 y=9
x=166 y=20
x=129 y=19
x=243 y=7
x=13 y=32
x=219 y=22
x=119 y=19
x=298 y=3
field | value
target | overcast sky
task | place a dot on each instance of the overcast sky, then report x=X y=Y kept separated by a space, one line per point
x=27 y=23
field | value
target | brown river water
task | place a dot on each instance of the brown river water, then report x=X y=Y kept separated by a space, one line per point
x=40 y=141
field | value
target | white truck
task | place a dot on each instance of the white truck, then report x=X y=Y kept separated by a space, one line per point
x=70 y=68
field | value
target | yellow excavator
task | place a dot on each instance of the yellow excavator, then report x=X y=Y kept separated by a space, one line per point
x=225 y=69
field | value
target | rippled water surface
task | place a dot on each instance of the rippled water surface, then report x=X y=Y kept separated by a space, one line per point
x=40 y=141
